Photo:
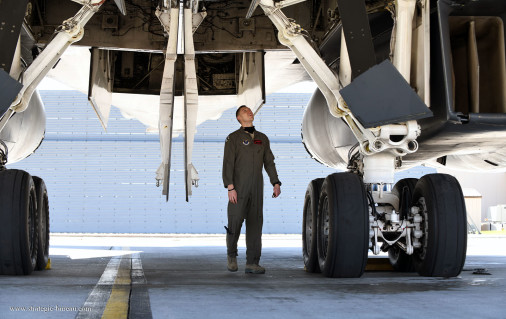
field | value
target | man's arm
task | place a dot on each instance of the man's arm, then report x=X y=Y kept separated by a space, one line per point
x=270 y=166
x=228 y=170
x=228 y=163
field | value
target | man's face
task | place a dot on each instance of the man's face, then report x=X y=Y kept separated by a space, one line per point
x=245 y=115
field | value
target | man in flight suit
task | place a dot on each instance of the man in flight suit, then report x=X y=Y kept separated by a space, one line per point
x=246 y=152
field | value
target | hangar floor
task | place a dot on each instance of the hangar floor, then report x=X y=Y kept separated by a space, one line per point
x=176 y=276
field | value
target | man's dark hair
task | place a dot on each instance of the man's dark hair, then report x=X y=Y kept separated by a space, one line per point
x=239 y=109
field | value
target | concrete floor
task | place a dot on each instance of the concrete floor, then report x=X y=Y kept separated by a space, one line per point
x=186 y=277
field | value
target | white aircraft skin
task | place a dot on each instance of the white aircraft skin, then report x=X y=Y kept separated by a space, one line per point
x=74 y=66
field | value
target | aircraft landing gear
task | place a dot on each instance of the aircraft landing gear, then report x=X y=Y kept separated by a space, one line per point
x=24 y=209
x=398 y=258
x=420 y=223
x=20 y=229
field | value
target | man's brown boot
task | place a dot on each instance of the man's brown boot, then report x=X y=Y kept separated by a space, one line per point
x=254 y=269
x=231 y=263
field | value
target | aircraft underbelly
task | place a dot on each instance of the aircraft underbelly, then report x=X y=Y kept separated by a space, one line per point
x=465 y=146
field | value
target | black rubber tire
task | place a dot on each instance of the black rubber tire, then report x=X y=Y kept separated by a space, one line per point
x=309 y=226
x=343 y=226
x=18 y=229
x=399 y=260
x=43 y=214
x=444 y=242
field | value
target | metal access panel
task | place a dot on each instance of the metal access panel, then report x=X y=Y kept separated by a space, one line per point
x=357 y=33
x=9 y=91
x=381 y=96
x=100 y=84
x=12 y=13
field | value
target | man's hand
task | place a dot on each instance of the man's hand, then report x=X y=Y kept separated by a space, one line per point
x=276 y=191
x=232 y=194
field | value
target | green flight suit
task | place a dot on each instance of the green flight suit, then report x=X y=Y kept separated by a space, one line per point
x=243 y=161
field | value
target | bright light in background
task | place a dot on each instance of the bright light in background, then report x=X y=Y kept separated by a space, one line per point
x=302 y=87
x=85 y=253
x=85 y=246
x=50 y=84
x=64 y=244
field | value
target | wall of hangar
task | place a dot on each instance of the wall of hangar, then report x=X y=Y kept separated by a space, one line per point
x=102 y=182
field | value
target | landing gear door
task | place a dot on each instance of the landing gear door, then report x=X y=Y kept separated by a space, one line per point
x=251 y=86
x=100 y=87
x=9 y=91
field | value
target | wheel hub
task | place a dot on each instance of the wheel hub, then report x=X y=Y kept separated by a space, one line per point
x=326 y=225
x=309 y=223
x=423 y=226
x=32 y=217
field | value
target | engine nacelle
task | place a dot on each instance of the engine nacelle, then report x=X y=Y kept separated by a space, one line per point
x=25 y=131
x=326 y=138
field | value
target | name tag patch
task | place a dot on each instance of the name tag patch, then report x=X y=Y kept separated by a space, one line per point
x=258 y=142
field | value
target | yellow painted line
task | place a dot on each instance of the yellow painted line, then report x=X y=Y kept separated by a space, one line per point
x=493 y=232
x=117 y=305
x=48 y=265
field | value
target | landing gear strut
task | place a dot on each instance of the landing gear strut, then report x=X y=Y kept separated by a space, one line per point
x=403 y=189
